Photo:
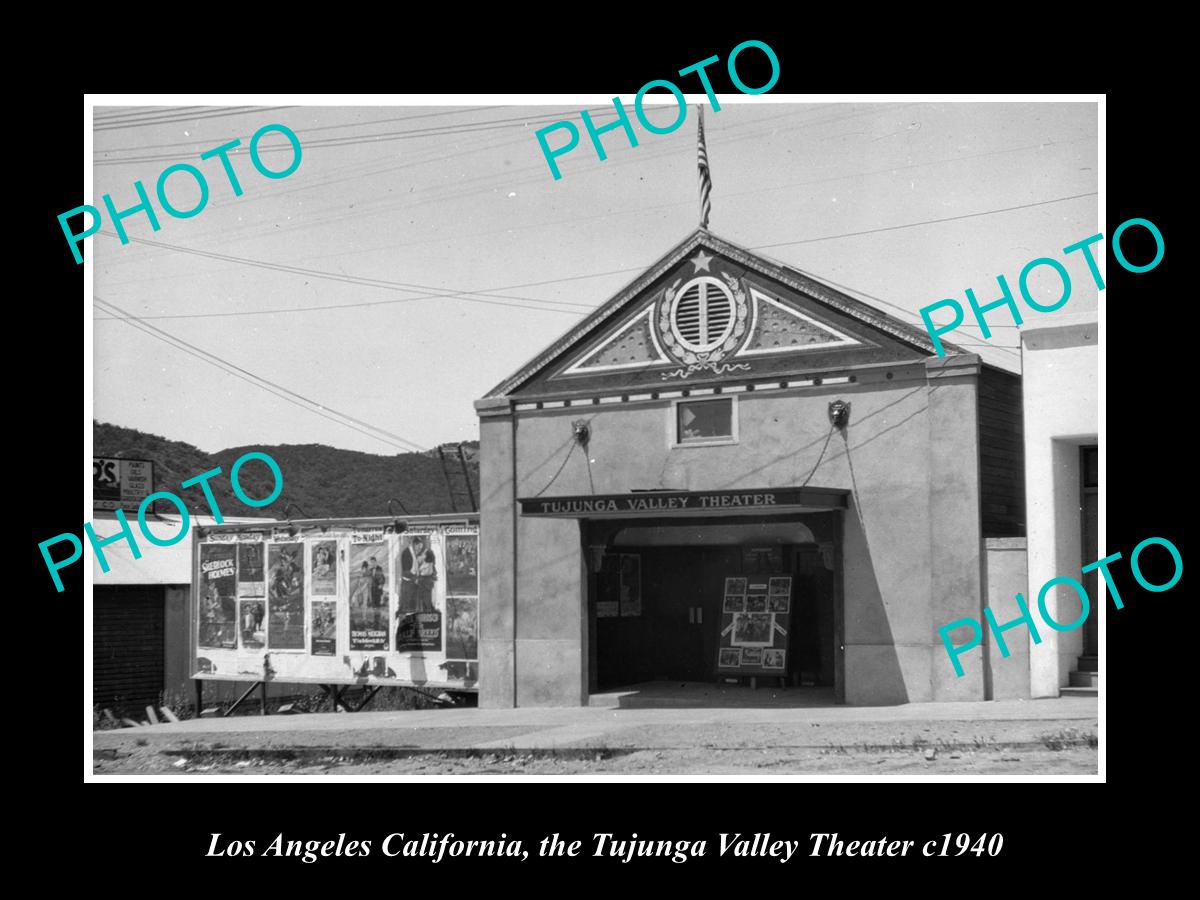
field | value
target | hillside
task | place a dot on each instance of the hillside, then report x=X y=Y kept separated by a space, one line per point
x=320 y=480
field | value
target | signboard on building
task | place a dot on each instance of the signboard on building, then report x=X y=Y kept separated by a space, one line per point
x=660 y=503
x=121 y=483
x=339 y=601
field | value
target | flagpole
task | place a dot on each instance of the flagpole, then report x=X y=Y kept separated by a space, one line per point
x=705 y=175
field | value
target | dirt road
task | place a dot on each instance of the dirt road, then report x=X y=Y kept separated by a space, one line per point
x=197 y=761
x=1002 y=737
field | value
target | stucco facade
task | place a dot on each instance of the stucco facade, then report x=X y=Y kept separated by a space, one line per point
x=901 y=478
x=1060 y=366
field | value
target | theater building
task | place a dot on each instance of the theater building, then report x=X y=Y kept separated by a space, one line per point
x=733 y=471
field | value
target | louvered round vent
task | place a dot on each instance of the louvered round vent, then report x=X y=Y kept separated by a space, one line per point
x=703 y=314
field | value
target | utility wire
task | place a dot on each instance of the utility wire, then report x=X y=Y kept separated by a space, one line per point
x=506 y=175
x=820 y=457
x=537 y=171
x=563 y=465
x=319 y=407
x=301 y=131
x=926 y=222
x=894 y=306
x=642 y=210
x=263 y=387
x=384 y=284
x=349 y=140
x=862 y=513
x=132 y=112
x=172 y=120
x=389 y=285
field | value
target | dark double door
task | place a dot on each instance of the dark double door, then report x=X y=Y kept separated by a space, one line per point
x=675 y=635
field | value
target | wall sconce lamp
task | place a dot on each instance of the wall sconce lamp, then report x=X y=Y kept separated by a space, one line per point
x=839 y=413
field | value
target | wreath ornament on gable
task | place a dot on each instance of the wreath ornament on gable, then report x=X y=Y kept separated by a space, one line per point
x=702 y=323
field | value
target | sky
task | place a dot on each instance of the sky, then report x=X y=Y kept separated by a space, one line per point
x=442 y=255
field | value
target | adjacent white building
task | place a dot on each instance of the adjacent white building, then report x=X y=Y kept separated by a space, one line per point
x=1060 y=374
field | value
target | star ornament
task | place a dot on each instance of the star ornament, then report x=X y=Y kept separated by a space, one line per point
x=701 y=261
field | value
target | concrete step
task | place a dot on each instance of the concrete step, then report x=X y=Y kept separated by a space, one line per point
x=1079 y=692
x=1084 y=679
x=1088 y=664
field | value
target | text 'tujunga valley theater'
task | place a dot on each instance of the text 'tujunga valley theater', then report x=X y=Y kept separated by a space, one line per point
x=731 y=469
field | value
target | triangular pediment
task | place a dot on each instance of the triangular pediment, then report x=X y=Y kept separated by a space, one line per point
x=710 y=311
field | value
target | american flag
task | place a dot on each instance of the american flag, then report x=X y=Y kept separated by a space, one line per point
x=705 y=175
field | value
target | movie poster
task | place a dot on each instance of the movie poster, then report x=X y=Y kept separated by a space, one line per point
x=285 y=596
x=252 y=614
x=419 y=631
x=218 y=596
x=250 y=579
x=608 y=601
x=324 y=628
x=462 y=565
x=753 y=629
x=369 y=597
x=631 y=584
x=324 y=569
x=418 y=570
x=462 y=627
x=754 y=625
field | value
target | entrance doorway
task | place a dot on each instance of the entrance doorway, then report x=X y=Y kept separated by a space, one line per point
x=1088 y=497
x=655 y=594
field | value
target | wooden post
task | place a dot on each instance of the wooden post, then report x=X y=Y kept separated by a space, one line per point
x=446 y=476
x=199 y=682
x=263 y=693
x=238 y=702
x=462 y=462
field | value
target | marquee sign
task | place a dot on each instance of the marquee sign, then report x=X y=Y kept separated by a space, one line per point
x=651 y=503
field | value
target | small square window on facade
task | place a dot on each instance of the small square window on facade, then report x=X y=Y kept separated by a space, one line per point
x=705 y=421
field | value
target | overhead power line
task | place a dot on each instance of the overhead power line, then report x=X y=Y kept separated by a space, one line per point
x=305 y=130
x=989 y=212
x=481 y=295
x=272 y=387
x=217 y=113
x=456 y=191
x=383 y=284
x=378 y=137
x=473 y=187
x=134 y=113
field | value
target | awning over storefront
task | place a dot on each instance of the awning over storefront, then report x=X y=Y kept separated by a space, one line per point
x=657 y=504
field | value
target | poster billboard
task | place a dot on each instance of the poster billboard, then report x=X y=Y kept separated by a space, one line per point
x=462 y=565
x=462 y=627
x=420 y=568
x=368 y=596
x=339 y=601
x=251 y=574
x=218 y=596
x=285 y=596
x=324 y=568
x=324 y=628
